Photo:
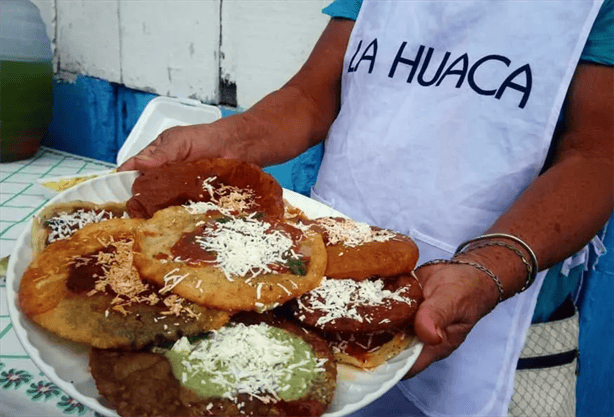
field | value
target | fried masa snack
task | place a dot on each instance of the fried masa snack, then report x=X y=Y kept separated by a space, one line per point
x=205 y=180
x=370 y=305
x=226 y=263
x=85 y=289
x=368 y=350
x=365 y=322
x=143 y=384
x=366 y=304
x=358 y=250
x=61 y=220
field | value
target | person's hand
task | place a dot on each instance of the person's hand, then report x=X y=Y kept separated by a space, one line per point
x=179 y=143
x=455 y=298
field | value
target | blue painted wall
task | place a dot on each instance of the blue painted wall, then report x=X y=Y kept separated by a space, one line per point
x=93 y=118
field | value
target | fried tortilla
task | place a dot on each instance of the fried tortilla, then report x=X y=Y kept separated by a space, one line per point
x=346 y=305
x=357 y=250
x=367 y=350
x=232 y=186
x=62 y=220
x=87 y=290
x=230 y=263
x=264 y=356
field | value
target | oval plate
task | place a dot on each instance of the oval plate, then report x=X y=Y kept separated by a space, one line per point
x=66 y=363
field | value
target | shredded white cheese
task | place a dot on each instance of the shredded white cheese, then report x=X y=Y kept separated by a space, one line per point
x=63 y=224
x=244 y=359
x=171 y=280
x=122 y=278
x=200 y=207
x=120 y=275
x=246 y=246
x=352 y=233
x=338 y=298
x=226 y=199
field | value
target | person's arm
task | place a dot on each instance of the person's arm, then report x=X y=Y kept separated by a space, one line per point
x=279 y=127
x=556 y=216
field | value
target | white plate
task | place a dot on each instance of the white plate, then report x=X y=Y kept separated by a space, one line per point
x=66 y=363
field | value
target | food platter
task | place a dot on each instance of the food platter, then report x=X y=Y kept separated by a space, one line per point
x=66 y=363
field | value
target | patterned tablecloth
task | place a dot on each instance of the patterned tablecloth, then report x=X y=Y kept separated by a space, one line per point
x=24 y=389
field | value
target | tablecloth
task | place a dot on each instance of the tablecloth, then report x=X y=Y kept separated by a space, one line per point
x=24 y=390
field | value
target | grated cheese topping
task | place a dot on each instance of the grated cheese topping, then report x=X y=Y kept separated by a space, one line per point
x=246 y=246
x=338 y=298
x=171 y=280
x=352 y=233
x=258 y=360
x=226 y=199
x=201 y=207
x=121 y=276
x=63 y=224
x=176 y=307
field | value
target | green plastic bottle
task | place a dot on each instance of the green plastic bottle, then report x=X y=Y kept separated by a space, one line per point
x=26 y=80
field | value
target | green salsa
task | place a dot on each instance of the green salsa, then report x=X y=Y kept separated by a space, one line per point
x=257 y=359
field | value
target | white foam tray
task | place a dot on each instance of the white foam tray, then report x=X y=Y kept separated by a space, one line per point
x=160 y=114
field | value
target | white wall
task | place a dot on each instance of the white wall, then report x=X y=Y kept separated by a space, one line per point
x=181 y=48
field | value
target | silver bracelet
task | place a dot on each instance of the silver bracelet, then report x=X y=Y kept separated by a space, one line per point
x=487 y=240
x=476 y=265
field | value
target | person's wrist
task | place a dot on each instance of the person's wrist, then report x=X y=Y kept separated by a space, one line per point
x=505 y=264
x=511 y=242
x=475 y=288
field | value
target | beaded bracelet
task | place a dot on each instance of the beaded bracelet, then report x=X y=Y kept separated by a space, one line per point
x=476 y=265
x=486 y=240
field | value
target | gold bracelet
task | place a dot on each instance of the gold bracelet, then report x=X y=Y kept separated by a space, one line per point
x=486 y=240
x=476 y=265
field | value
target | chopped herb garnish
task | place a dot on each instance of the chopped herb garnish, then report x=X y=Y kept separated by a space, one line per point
x=296 y=265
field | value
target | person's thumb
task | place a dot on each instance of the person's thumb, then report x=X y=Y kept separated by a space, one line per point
x=430 y=325
x=145 y=160
x=432 y=318
x=140 y=163
x=153 y=160
x=128 y=165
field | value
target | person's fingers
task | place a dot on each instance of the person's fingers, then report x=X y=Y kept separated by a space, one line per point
x=145 y=154
x=140 y=162
x=128 y=165
x=157 y=154
x=429 y=324
x=438 y=311
x=172 y=145
x=453 y=336
x=438 y=323
x=145 y=162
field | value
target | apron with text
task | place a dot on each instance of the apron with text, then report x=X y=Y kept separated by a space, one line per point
x=448 y=110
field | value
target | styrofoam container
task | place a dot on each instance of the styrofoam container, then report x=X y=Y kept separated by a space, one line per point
x=160 y=114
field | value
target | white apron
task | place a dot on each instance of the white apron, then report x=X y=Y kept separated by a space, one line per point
x=448 y=110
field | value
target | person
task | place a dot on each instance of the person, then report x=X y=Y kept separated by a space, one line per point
x=481 y=122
